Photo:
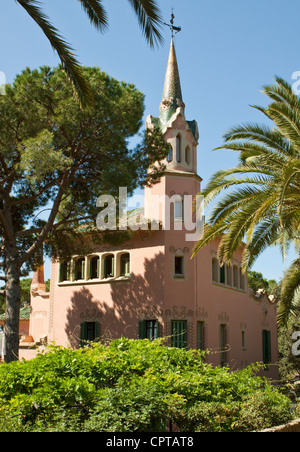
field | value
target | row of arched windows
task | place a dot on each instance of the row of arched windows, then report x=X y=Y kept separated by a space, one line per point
x=187 y=157
x=101 y=267
x=228 y=275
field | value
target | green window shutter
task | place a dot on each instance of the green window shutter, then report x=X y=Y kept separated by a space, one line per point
x=97 y=331
x=83 y=269
x=156 y=327
x=200 y=335
x=89 y=268
x=98 y=267
x=113 y=266
x=179 y=333
x=83 y=334
x=142 y=329
x=61 y=272
x=104 y=268
x=266 y=346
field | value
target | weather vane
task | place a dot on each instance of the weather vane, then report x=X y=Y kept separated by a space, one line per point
x=172 y=26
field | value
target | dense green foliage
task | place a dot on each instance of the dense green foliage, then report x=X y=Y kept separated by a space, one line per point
x=134 y=386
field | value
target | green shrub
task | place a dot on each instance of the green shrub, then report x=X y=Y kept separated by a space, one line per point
x=134 y=386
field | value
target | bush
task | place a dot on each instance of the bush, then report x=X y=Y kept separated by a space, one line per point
x=134 y=386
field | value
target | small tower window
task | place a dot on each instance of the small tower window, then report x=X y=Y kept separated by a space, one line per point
x=178 y=148
x=170 y=155
x=178 y=266
x=178 y=210
x=188 y=155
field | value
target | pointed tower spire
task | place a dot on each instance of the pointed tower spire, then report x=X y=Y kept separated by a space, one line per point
x=172 y=94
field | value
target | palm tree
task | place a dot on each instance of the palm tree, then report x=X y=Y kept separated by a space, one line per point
x=149 y=18
x=261 y=206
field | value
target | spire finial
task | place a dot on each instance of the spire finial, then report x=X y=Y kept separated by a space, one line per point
x=172 y=26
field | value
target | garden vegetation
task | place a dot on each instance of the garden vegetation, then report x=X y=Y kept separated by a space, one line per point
x=134 y=386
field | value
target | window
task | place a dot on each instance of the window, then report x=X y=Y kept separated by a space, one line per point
x=229 y=275
x=200 y=335
x=242 y=280
x=79 y=269
x=188 y=155
x=89 y=332
x=148 y=329
x=179 y=333
x=64 y=271
x=178 y=264
x=109 y=266
x=223 y=340
x=178 y=148
x=222 y=275
x=178 y=210
x=215 y=267
x=125 y=264
x=266 y=339
x=235 y=277
x=170 y=155
x=94 y=263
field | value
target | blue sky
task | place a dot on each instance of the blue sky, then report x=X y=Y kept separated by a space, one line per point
x=227 y=51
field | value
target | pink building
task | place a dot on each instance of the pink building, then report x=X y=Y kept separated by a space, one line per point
x=151 y=286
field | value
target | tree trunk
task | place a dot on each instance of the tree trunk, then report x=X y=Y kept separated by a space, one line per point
x=13 y=299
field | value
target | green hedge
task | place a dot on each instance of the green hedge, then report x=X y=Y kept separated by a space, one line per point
x=134 y=386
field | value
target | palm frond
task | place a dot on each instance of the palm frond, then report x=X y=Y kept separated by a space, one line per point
x=210 y=233
x=289 y=300
x=65 y=52
x=287 y=121
x=96 y=13
x=282 y=92
x=150 y=20
x=262 y=134
x=266 y=234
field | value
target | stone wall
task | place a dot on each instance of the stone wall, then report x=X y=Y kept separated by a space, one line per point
x=291 y=427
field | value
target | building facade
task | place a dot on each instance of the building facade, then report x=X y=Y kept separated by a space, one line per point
x=152 y=286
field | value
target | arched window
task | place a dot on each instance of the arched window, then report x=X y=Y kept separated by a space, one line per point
x=188 y=155
x=235 y=276
x=79 y=269
x=178 y=209
x=215 y=267
x=108 y=266
x=64 y=271
x=170 y=155
x=242 y=280
x=222 y=274
x=229 y=275
x=125 y=264
x=94 y=264
x=178 y=148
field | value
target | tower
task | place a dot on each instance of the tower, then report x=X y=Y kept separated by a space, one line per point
x=180 y=178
